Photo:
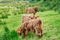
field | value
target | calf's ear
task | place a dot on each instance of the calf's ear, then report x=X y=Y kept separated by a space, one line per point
x=35 y=8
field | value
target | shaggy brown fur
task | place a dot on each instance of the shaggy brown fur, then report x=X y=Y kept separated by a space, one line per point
x=32 y=10
x=27 y=17
x=33 y=25
x=22 y=29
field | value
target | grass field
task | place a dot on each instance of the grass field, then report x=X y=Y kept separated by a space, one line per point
x=51 y=26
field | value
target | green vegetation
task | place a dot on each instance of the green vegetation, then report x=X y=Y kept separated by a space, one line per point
x=10 y=19
x=51 y=27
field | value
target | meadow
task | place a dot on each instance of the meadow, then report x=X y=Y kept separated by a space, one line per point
x=51 y=27
x=11 y=12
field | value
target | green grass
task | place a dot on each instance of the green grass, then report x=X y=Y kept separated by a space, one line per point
x=51 y=26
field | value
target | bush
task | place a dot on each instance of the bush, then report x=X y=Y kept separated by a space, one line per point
x=9 y=35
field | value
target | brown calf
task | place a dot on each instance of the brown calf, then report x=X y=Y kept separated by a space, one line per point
x=34 y=25
x=27 y=17
x=31 y=10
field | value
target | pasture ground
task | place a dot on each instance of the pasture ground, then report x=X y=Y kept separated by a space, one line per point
x=51 y=25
